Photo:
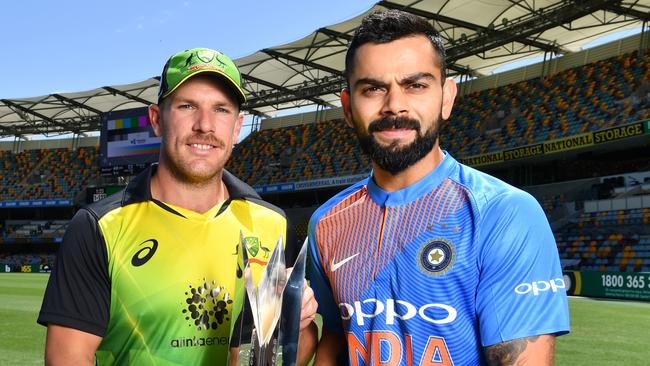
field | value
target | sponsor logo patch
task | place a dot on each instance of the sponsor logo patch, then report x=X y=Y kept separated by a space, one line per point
x=436 y=257
x=391 y=309
x=536 y=287
x=206 y=306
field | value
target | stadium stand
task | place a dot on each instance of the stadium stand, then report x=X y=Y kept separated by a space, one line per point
x=304 y=152
x=19 y=260
x=584 y=99
x=615 y=240
x=28 y=230
x=47 y=173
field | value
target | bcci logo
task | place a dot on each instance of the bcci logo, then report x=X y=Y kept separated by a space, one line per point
x=436 y=257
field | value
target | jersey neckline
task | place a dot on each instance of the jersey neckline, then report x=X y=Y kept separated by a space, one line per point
x=415 y=190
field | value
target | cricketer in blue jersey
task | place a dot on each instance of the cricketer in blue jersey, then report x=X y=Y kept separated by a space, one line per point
x=428 y=261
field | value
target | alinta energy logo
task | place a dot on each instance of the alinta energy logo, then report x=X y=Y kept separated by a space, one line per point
x=206 y=306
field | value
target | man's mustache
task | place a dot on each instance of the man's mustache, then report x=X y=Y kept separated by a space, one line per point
x=393 y=123
x=206 y=139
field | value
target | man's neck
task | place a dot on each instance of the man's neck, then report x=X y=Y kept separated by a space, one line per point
x=410 y=175
x=199 y=198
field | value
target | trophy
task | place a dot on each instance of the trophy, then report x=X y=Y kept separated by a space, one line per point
x=275 y=304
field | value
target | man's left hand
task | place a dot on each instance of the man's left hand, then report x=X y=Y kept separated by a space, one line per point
x=308 y=307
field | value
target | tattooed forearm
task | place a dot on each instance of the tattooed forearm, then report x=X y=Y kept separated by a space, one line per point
x=508 y=353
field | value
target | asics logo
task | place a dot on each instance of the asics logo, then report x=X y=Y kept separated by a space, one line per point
x=337 y=265
x=143 y=255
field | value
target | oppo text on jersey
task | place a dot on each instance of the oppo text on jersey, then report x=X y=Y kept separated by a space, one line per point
x=396 y=309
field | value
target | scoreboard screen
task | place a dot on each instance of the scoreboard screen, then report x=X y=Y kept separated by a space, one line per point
x=127 y=142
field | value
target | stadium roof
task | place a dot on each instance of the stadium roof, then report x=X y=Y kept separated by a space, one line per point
x=479 y=36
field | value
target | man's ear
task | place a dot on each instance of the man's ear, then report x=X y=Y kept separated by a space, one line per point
x=449 y=91
x=347 y=109
x=154 y=117
x=237 y=128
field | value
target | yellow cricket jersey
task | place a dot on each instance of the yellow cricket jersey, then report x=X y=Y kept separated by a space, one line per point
x=161 y=284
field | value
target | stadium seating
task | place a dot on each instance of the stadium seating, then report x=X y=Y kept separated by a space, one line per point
x=583 y=99
x=607 y=241
x=310 y=151
x=47 y=173
x=27 y=259
x=636 y=216
x=552 y=204
x=27 y=230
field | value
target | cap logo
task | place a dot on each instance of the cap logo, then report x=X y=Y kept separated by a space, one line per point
x=205 y=55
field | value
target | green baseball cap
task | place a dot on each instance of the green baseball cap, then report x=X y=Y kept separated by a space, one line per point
x=183 y=65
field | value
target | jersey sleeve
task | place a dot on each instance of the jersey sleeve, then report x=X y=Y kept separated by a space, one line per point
x=521 y=292
x=319 y=283
x=78 y=291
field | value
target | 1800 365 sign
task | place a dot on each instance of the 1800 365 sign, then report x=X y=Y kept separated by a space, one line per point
x=633 y=281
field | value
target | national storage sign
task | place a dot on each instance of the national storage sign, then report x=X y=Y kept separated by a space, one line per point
x=623 y=132
x=523 y=152
x=569 y=143
x=484 y=159
x=560 y=145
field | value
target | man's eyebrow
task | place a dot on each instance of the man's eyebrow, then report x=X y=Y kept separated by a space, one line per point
x=370 y=81
x=181 y=99
x=417 y=76
x=404 y=81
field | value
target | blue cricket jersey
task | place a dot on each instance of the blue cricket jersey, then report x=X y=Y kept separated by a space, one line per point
x=432 y=273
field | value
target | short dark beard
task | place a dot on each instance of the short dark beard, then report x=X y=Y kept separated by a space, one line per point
x=393 y=158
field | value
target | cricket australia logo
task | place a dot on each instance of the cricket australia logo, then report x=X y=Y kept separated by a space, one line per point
x=205 y=55
x=436 y=257
x=206 y=306
x=255 y=247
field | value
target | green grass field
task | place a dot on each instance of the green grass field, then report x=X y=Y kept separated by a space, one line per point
x=603 y=332
x=21 y=339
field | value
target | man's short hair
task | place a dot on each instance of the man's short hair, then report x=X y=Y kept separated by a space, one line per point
x=387 y=26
